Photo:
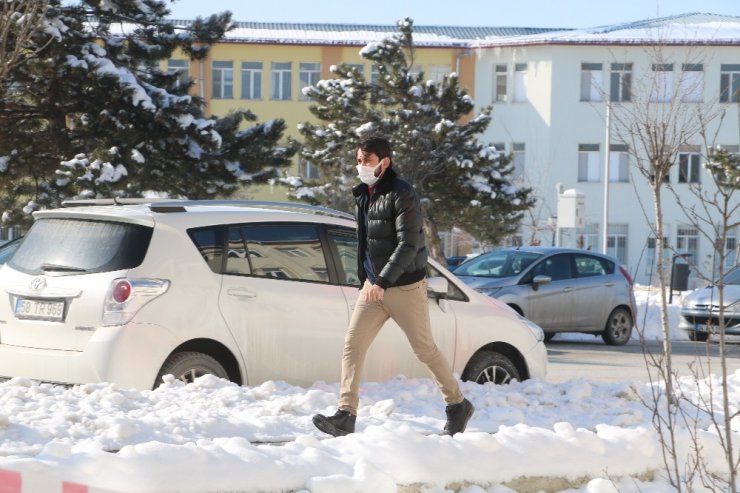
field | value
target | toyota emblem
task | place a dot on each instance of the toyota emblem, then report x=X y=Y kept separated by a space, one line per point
x=38 y=283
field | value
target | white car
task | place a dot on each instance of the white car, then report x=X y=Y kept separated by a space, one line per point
x=249 y=291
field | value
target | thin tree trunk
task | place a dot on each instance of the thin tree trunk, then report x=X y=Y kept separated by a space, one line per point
x=434 y=244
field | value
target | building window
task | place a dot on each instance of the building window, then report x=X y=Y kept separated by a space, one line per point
x=374 y=74
x=223 y=80
x=181 y=67
x=687 y=241
x=500 y=148
x=251 y=80
x=691 y=84
x=520 y=82
x=729 y=83
x=281 y=81
x=619 y=163
x=437 y=73
x=689 y=164
x=499 y=87
x=616 y=242
x=591 y=82
x=662 y=83
x=588 y=162
x=731 y=248
x=309 y=75
x=590 y=239
x=308 y=170
x=518 y=160
x=621 y=82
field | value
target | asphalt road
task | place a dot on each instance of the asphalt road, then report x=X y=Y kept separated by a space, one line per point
x=592 y=359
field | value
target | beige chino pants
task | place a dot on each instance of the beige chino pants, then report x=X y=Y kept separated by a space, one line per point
x=409 y=307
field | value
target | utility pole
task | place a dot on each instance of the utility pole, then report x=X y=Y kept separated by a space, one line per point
x=605 y=219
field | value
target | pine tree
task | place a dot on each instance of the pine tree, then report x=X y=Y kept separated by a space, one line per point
x=92 y=114
x=462 y=181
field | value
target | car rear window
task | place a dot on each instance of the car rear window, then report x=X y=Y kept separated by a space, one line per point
x=73 y=246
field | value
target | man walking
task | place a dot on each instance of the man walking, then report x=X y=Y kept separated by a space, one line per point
x=391 y=264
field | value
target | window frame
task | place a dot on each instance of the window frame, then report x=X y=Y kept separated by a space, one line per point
x=251 y=73
x=620 y=82
x=281 y=81
x=588 y=73
x=312 y=73
x=729 y=78
x=224 y=85
x=589 y=173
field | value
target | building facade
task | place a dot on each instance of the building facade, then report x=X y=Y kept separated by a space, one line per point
x=549 y=88
x=550 y=95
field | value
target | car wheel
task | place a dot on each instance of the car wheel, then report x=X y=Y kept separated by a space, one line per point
x=489 y=366
x=698 y=336
x=618 y=327
x=188 y=365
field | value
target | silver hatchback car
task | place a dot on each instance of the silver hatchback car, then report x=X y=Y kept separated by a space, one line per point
x=560 y=289
x=700 y=309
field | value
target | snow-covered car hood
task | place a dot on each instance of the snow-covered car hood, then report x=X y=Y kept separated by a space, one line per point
x=710 y=295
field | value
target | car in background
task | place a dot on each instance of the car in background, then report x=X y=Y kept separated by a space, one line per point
x=700 y=309
x=559 y=289
x=8 y=248
x=247 y=291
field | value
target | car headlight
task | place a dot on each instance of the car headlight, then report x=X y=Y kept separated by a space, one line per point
x=488 y=291
x=536 y=330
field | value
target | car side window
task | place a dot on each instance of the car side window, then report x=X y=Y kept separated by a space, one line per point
x=345 y=242
x=209 y=242
x=556 y=267
x=286 y=251
x=588 y=266
x=237 y=258
x=453 y=292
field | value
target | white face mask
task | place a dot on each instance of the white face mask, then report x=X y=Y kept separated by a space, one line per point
x=367 y=174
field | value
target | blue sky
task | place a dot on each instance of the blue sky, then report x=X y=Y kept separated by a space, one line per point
x=535 y=13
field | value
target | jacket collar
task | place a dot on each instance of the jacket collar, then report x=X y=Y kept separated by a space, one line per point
x=384 y=184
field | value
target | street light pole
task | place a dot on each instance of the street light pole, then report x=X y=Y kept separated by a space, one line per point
x=605 y=220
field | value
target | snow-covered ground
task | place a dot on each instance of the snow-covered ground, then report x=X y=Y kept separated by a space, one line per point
x=580 y=436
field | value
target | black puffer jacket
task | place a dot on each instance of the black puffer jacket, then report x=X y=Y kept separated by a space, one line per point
x=394 y=236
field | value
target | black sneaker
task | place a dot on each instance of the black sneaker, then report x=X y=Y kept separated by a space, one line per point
x=458 y=416
x=342 y=423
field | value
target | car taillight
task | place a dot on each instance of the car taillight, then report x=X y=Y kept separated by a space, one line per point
x=127 y=296
x=121 y=290
x=626 y=274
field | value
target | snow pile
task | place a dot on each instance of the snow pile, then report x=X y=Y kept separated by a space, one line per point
x=576 y=436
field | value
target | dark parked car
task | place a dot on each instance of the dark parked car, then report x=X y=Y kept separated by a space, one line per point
x=560 y=289
x=700 y=309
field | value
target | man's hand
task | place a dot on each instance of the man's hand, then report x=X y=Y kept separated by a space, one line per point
x=374 y=293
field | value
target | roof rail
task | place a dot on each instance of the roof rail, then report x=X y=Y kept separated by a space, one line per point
x=178 y=205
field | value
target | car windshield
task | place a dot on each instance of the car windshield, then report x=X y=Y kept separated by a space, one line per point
x=72 y=246
x=733 y=277
x=503 y=263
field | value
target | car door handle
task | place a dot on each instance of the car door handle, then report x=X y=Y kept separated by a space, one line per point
x=567 y=288
x=241 y=293
x=608 y=284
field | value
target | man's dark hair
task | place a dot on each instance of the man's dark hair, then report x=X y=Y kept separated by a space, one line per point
x=375 y=144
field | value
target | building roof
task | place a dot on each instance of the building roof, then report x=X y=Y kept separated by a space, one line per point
x=694 y=28
x=360 y=34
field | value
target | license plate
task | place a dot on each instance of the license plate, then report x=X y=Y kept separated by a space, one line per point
x=39 y=309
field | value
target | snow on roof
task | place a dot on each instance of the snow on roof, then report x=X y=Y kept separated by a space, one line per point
x=359 y=34
x=679 y=29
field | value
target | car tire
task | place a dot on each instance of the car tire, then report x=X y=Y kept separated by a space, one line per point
x=698 y=336
x=490 y=366
x=186 y=366
x=618 y=327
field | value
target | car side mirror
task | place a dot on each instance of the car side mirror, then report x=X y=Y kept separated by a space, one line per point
x=437 y=287
x=540 y=280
